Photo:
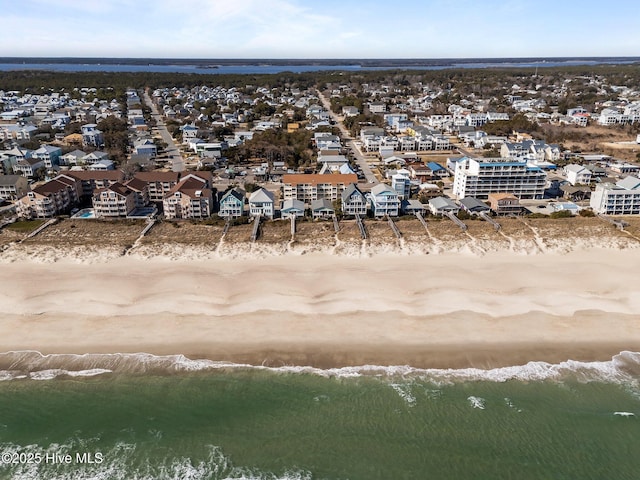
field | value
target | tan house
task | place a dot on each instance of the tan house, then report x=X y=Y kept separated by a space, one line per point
x=189 y=199
x=504 y=203
x=117 y=200
x=13 y=187
x=50 y=199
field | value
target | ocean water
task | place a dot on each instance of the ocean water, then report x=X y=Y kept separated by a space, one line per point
x=145 y=417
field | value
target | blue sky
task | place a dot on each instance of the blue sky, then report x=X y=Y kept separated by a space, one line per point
x=319 y=29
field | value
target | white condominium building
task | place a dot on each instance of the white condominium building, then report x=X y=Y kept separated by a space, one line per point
x=478 y=177
x=623 y=198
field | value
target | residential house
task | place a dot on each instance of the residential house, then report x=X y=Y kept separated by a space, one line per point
x=350 y=111
x=261 y=203
x=73 y=158
x=18 y=133
x=292 y=208
x=401 y=183
x=377 y=107
x=95 y=157
x=10 y=158
x=191 y=198
x=55 y=197
x=91 y=136
x=353 y=200
x=49 y=155
x=232 y=203
x=621 y=198
x=504 y=203
x=145 y=146
x=28 y=166
x=442 y=205
x=473 y=205
x=577 y=174
x=575 y=193
x=189 y=133
x=117 y=200
x=384 y=201
x=625 y=168
x=13 y=187
x=412 y=207
x=322 y=208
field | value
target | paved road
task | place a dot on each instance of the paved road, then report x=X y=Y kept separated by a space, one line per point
x=349 y=141
x=172 y=151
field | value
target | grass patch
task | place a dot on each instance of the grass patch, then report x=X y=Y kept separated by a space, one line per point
x=25 y=226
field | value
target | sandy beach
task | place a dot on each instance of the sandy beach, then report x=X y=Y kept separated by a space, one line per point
x=441 y=311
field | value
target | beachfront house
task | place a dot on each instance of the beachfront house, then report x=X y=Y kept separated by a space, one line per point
x=322 y=208
x=473 y=205
x=442 y=205
x=354 y=201
x=504 y=203
x=261 y=203
x=384 y=201
x=232 y=203
x=292 y=208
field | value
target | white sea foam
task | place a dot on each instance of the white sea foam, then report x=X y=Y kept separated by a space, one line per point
x=404 y=391
x=623 y=368
x=121 y=462
x=477 y=402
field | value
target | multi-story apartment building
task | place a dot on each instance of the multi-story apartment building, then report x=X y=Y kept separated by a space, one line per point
x=191 y=198
x=622 y=198
x=309 y=187
x=50 y=199
x=159 y=183
x=478 y=177
x=117 y=200
x=90 y=181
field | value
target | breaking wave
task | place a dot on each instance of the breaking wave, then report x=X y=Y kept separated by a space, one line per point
x=21 y=365
x=123 y=461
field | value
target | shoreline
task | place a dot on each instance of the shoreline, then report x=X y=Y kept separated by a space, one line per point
x=429 y=311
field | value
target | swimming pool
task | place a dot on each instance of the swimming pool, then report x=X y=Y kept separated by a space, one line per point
x=85 y=213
